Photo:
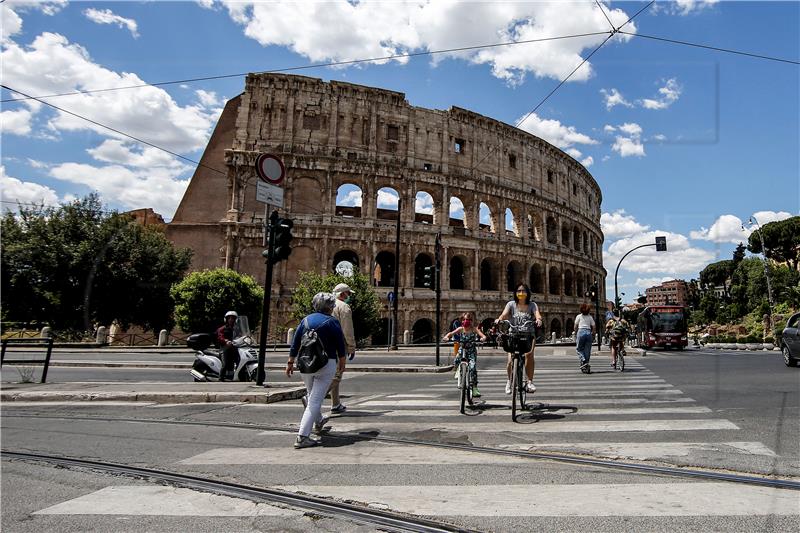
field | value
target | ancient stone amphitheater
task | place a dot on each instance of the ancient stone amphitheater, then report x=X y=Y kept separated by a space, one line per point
x=510 y=207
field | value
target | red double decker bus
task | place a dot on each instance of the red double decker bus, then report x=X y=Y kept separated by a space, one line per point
x=662 y=326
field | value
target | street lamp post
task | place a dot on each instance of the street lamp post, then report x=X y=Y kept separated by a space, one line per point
x=661 y=246
x=754 y=220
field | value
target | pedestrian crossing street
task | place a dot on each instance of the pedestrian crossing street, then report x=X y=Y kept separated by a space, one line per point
x=631 y=416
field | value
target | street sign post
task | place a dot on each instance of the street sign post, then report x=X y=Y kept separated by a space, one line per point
x=266 y=193
x=390 y=296
x=270 y=168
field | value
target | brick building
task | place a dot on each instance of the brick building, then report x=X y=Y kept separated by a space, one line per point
x=675 y=292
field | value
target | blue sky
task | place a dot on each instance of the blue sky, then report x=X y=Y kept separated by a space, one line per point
x=683 y=141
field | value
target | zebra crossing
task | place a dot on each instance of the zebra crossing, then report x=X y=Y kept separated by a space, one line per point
x=634 y=415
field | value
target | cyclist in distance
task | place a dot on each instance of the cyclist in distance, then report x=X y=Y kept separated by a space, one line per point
x=518 y=310
x=618 y=329
x=468 y=348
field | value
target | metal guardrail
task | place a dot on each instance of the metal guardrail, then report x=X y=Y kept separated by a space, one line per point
x=21 y=335
x=35 y=341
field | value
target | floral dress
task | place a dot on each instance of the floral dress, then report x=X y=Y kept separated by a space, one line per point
x=469 y=350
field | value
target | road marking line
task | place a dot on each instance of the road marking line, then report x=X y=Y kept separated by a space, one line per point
x=645 y=450
x=556 y=409
x=506 y=400
x=549 y=426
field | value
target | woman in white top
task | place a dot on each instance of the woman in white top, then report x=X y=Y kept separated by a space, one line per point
x=522 y=308
x=584 y=331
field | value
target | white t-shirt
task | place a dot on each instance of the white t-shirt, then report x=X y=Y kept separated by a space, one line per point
x=521 y=313
x=584 y=322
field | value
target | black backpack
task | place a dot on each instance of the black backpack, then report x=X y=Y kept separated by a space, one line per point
x=311 y=356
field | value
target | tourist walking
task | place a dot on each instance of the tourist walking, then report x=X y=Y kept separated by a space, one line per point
x=519 y=310
x=617 y=329
x=584 y=332
x=342 y=312
x=326 y=330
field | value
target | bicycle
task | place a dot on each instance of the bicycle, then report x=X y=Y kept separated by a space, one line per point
x=516 y=341
x=464 y=385
x=621 y=353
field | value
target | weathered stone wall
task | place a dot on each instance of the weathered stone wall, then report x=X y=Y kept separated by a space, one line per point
x=333 y=134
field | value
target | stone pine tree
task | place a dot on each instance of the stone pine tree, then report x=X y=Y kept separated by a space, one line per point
x=364 y=303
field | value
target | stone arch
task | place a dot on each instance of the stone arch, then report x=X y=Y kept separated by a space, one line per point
x=552 y=230
x=535 y=230
x=424 y=208
x=565 y=235
x=349 y=199
x=568 y=282
x=342 y=257
x=576 y=239
x=579 y=289
x=304 y=188
x=420 y=262
x=383 y=271
x=554 y=280
x=485 y=218
x=514 y=275
x=585 y=243
x=386 y=203
x=555 y=327
x=510 y=223
x=569 y=327
x=422 y=331
x=536 y=279
x=459 y=272
x=488 y=275
x=456 y=211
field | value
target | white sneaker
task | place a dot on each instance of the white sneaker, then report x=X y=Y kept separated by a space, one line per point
x=508 y=387
x=530 y=387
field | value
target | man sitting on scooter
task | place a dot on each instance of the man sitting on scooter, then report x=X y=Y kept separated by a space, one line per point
x=230 y=354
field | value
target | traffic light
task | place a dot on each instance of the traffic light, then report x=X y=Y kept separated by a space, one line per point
x=661 y=244
x=428 y=277
x=283 y=238
x=592 y=292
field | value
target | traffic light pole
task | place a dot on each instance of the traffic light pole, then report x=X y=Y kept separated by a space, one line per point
x=616 y=272
x=438 y=256
x=261 y=373
x=396 y=275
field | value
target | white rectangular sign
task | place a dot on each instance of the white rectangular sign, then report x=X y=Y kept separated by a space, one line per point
x=269 y=194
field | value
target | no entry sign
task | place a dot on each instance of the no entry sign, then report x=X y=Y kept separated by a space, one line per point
x=270 y=168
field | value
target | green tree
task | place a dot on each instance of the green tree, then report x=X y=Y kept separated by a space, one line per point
x=202 y=299
x=365 y=303
x=75 y=265
x=717 y=274
x=738 y=254
x=782 y=240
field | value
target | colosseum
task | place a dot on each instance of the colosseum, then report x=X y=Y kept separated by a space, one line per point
x=510 y=207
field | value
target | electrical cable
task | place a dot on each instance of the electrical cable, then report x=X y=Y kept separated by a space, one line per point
x=312 y=66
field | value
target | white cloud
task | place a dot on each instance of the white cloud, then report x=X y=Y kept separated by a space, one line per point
x=659 y=137
x=608 y=128
x=456 y=208
x=632 y=129
x=589 y=161
x=131 y=154
x=614 y=98
x=554 y=132
x=668 y=94
x=728 y=228
x=51 y=64
x=605 y=158
x=14 y=191
x=683 y=7
x=646 y=283
x=387 y=199
x=423 y=204
x=574 y=152
x=208 y=98
x=351 y=198
x=627 y=147
x=679 y=259
x=342 y=30
x=106 y=16
x=618 y=224
x=10 y=22
x=16 y=122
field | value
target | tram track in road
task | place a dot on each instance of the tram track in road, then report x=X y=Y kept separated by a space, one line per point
x=384 y=520
x=640 y=468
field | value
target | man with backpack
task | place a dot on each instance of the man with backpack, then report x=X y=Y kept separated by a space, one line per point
x=319 y=350
x=618 y=330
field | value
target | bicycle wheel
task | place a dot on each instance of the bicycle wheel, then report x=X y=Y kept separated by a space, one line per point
x=463 y=383
x=621 y=360
x=523 y=392
x=514 y=385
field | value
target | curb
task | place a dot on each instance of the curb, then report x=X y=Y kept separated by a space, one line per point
x=275 y=396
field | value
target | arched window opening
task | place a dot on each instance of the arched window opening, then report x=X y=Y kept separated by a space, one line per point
x=422 y=261
x=585 y=243
x=536 y=279
x=552 y=231
x=511 y=223
x=565 y=236
x=383 y=272
x=576 y=240
x=345 y=262
x=554 y=280
x=488 y=276
x=387 y=203
x=348 y=201
x=485 y=218
x=514 y=275
x=568 y=282
x=457 y=273
x=534 y=228
x=422 y=331
x=569 y=327
x=456 y=212
x=555 y=327
x=423 y=208
x=579 y=285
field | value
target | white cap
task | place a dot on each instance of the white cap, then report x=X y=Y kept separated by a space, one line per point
x=340 y=288
x=231 y=313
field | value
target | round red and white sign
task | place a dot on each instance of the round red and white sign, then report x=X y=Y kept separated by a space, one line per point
x=270 y=168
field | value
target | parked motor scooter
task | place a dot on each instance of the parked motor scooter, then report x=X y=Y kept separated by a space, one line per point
x=207 y=364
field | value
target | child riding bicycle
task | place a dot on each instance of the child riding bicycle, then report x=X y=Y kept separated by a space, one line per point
x=468 y=348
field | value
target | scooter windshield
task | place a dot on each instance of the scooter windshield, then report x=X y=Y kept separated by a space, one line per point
x=241 y=328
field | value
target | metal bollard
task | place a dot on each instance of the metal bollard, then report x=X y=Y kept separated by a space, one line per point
x=290 y=336
x=102 y=336
x=406 y=337
x=46 y=332
x=163 y=336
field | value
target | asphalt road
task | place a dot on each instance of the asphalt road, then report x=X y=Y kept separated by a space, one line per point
x=719 y=411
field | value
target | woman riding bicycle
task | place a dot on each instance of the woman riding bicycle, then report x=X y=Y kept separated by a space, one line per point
x=519 y=309
x=468 y=348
